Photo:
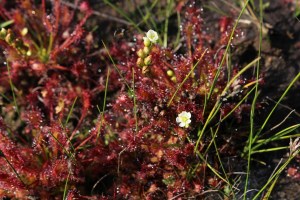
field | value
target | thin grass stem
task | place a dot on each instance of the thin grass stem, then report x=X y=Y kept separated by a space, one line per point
x=117 y=69
x=71 y=111
x=221 y=163
x=121 y=12
x=12 y=87
x=217 y=105
x=253 y=105
x=12 y=167
x=134 y=103
x=66 y=186
x=278 y=172
x=104 y=102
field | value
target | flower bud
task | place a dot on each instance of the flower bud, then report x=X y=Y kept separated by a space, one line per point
x=148 y=60
x=3 y=33
x=146 y=50
x=170 y=73
x=141 y=54
x=9 y=37
x=28 y=53
x=173 y=78
x=24 y=31
x=140 y=62
x=147 y=42
x=145 y=69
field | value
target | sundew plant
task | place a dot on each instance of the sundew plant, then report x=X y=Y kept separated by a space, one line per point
x=136 y=116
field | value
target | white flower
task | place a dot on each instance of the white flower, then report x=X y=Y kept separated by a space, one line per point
x=184 y=119
x=152 y=36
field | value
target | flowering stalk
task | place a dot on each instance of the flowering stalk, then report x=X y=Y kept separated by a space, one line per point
x=144 y=57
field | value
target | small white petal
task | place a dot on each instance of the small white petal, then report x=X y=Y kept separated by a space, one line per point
x=188 y=115
x=182 y=124
x=152 y=36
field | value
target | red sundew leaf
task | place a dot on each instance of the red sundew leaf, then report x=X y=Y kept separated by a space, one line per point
x=144 y=130
x=98 y=160
x=75 y=36
x=122 y=102
x=128 y=137
x=57 y=139
x=55 y=173
x=189 y=149
x=74 y=194
x=79 y=69
x=84 y=6
x=32 y=98
x=4 y=12
x=71 y=195
x=224 y=23
x=48 y=95
x=57 y=11
x=180 y=5
x=33 y=117
x=46 y=21
x=175 y=157
x=180 y=132
x=198 y=188
x=11 y=187
x=2 y=126
x=86 y=103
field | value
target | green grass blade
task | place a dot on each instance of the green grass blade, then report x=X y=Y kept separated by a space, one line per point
x=212 y=169
x=5 y=97
x=62 y=146
x=213 y=134
x=269 y=150
x=226 y=51
x=237 y=105
x=168 y=11
x=148 y=17
x=279 y=135
x=12 y=87
x=278 y=102
x=71 y=111
x=66 y=186
x=117 y=69
x=277 y=173
x=134 y=102
x=176 y=43
x=217 y=105
x=12 y=167
x=221 y=164
x=269 y=191
x=253 y=105
x=104 y=101
x=6 y=23
x=122 y=13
